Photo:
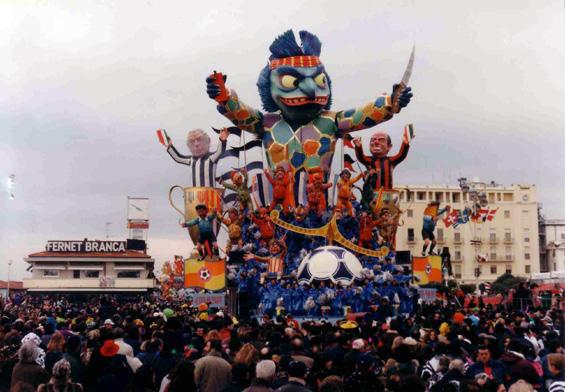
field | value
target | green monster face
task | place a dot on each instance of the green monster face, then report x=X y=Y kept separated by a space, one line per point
x=300 y=93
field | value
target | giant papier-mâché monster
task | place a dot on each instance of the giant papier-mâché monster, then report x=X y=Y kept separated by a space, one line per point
x=299 y=128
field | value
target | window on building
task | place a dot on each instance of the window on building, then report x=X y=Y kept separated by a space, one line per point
x=420 y=195
x=493 y=269
x=508 y=253
x=411 y=234
x=491 y=198
x=526 y=235
x=492 y=235
x=409 y=196
x=499 y=196
x=508 y=197
x=457 y=236
x=563 y=236
x=507 y=235
x=91 y=274
x=76 y=274
x=50 y=273
x=456 y=197
x=409 y=213
x=440 y=235
x=401 y=196
x=506 y=214
x=128 y=274
x=508 y=269
x=457 y=271
x=439 y=196
x=492 y=255
x=526 y=253
x=457 y=254
x=528 y=269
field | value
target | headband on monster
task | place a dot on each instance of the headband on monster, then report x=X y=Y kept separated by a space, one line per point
x=295 y=61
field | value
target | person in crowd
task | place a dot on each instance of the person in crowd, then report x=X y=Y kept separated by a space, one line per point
x=297 y=372
x=556 y=364
x=55 y=350
x=485 y=364
x=265 y=373
x=212 y=372
x=27 y=371
x=60 y=380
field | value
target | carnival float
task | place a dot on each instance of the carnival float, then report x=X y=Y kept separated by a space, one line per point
x=273 y=218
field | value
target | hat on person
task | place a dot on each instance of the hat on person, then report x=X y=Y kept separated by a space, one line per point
x=349 y=324
x=297 y=369
x=109 y=348
x=108 y=321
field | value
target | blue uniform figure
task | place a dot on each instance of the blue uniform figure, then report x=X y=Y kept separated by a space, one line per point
x=206 y=244
x=432 y=213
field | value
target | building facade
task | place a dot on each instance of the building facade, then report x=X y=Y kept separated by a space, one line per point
x=552 y=245
x=90 y=266
x=507 y=243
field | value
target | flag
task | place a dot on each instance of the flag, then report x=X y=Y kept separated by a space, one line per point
x=209 y=275
x=491 y=215
x=462 y=218
x=481 y=215
x=347 y=138
x=409 y=132
x=164 y=139
x=451 y=218
x=348 y=162
x=427 y=269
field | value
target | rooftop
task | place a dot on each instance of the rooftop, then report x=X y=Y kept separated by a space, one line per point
x=101 y=255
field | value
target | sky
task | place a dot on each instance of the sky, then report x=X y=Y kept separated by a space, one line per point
x=84 y=85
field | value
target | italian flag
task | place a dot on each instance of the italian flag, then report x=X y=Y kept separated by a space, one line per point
x=164 y=139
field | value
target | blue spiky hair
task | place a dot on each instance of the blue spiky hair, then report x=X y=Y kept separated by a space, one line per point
x=285 y=45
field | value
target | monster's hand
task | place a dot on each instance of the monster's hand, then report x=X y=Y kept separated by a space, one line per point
x=216 y=88
x=402 y=95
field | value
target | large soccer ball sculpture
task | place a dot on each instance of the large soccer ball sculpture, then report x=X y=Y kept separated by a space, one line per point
x=330 y=263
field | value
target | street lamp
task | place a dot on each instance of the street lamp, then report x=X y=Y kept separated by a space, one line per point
x=8 y=288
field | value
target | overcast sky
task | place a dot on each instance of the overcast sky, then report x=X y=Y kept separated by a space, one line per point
x=84 y=85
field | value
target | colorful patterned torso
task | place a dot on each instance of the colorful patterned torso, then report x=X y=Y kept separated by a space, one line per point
x=310 y=145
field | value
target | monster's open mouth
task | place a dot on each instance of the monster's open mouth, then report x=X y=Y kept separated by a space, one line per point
x=304 y=101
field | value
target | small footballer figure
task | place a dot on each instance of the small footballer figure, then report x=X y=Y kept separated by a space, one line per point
x=207 y=244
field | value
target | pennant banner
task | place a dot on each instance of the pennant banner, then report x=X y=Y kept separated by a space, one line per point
x=427 y=269
x=209 y=275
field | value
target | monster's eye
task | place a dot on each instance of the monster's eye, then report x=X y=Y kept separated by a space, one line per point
x=288 y=81
x=320 y=80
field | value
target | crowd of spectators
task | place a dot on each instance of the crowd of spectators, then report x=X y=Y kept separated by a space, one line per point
x=147 y=344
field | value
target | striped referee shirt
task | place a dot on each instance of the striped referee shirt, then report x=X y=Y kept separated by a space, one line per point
x=383 y=166
x=202 y=169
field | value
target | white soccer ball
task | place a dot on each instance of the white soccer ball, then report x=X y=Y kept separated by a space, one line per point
x=331 y=263
x=205 y=274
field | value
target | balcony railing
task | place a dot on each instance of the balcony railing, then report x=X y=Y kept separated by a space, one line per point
x=508 y=240
x=85 y=284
